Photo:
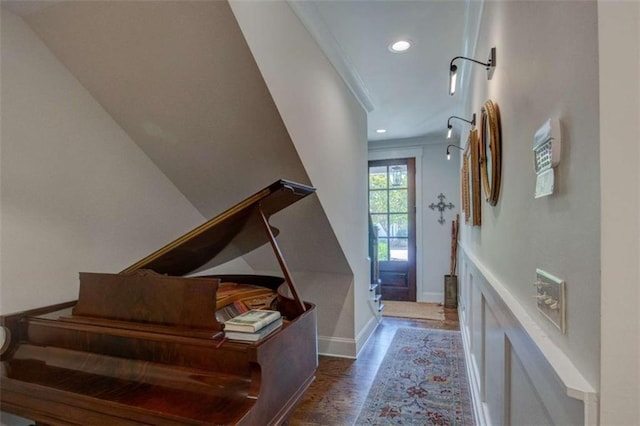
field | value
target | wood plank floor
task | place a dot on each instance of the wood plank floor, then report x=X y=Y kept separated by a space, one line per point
x=341 y=385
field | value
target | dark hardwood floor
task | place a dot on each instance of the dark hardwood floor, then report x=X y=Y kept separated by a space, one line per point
x=341 y=384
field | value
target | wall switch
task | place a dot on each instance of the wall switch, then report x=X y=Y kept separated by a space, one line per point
x=550 y=298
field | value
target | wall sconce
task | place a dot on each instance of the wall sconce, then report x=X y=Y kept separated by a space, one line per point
x=450 y=128
x=449 y=153
x=453 y=69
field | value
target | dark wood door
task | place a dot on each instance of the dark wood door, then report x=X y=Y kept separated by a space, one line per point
x=392 y=211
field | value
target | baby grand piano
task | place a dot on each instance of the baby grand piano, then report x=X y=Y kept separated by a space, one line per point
x=144 y=346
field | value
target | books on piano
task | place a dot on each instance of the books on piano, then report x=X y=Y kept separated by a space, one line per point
x=254 y=337
x=251 y=321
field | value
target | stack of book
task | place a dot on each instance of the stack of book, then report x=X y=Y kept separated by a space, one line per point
x=252 y=325
x=233 y=299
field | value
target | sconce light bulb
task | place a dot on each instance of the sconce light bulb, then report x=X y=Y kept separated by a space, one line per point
x=448 y=155
x=453 y=75
x=449 y=131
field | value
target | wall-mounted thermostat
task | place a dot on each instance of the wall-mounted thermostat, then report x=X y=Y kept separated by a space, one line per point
x=547 y=148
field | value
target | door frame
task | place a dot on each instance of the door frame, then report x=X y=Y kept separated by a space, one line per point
x=416 y=153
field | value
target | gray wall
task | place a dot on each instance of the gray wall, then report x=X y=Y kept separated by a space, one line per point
x=547 y=56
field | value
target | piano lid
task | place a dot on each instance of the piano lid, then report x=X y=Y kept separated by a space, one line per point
x=235 y=232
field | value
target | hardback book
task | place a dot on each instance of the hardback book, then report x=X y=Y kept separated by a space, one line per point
x=254 y=337
x=251 y=321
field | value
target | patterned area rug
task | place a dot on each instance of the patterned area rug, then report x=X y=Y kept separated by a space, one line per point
x=421 y=381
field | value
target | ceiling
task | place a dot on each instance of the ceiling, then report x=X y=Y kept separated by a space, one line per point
x=404 y=93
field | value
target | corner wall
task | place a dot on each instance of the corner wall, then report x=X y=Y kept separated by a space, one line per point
x=547 y=67
x=619 y=41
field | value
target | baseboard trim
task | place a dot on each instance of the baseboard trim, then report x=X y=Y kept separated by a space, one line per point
x=431 y=297
x=337 y=347
x=348 y=348
x=367 y=331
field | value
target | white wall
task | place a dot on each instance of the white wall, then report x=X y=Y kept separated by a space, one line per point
x=547 y=66
x=619 y=41
x=439 y=176
x=77 y=193
x=434 y=175
x=328 y=129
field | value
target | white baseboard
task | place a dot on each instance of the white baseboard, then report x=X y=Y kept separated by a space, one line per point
x=337 y=346
x=367 y=331
x=431 y=297
x=347 y=348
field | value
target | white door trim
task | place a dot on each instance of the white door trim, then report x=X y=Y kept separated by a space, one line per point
x=389 y=154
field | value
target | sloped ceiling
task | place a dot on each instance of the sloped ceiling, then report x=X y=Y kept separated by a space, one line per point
x=179 y=78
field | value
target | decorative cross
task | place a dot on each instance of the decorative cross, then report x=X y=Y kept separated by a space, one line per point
x=441 y=206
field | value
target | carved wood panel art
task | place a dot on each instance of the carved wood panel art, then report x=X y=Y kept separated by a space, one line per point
x=491 y=151
x=464 y=179
x=474 y=165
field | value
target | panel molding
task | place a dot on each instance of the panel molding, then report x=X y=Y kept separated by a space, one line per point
x=472 y=371
x=557 y=381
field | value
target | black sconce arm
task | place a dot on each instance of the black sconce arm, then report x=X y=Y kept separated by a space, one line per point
x=451 y=66
x=449 y=153
x=472 y=121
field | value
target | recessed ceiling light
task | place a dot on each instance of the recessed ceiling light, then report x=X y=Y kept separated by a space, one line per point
x=381 y=130
x=400 y=46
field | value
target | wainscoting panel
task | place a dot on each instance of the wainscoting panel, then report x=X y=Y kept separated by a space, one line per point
x=477 y=335
x=563 y=409
x=516 y=377
x=464 y=299
x=524 y=404
x=494 y=391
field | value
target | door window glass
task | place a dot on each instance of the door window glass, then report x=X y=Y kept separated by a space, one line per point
x=389 y=208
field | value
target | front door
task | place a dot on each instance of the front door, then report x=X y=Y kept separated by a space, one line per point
x=393 y=214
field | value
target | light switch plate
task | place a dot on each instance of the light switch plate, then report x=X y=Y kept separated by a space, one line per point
x=550 y=298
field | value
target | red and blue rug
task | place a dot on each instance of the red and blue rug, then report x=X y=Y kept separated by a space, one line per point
x=421 y=381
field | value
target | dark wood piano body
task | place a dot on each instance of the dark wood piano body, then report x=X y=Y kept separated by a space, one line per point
x=144 y=347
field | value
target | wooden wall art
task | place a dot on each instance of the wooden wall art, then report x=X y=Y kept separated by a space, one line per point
x=464 y=181
x=491 y=151
x=474 y=171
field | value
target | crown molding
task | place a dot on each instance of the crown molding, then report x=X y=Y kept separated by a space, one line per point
x=313 y=21
x=472 y=19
